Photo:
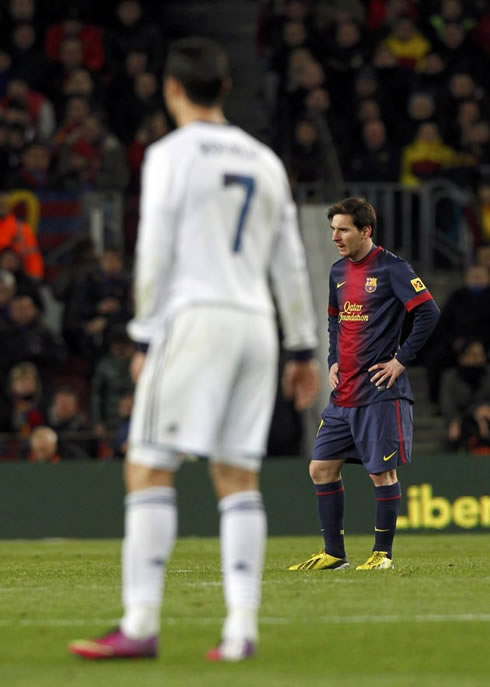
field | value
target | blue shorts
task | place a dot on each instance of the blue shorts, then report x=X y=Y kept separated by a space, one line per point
x=378 y=435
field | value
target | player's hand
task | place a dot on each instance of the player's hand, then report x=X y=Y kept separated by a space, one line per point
x=100 y=430
x=301 y=381
x=482 y=417
x=454 y=430
x=95 y=326
x=108 y=305
x=333 y=375
x=387 y=372
x=137 y=362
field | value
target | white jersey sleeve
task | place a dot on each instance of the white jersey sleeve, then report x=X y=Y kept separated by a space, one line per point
x=290 y=280
x=155 y=245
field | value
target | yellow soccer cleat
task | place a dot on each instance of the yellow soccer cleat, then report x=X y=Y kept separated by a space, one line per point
x=321 y=561
x=378 y=560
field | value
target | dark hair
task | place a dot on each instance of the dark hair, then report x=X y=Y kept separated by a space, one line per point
x=460 y=346
x=201 y=66
x=362 y=212
x=69 y=390
x=117 y=335
x=100 y=117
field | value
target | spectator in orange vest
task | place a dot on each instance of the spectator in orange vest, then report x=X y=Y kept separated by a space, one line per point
x=19 y=237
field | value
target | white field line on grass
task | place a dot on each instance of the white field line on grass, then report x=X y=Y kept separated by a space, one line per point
x=14 y=590
x=339 y=620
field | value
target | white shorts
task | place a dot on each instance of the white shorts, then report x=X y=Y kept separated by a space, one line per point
x=207 y=389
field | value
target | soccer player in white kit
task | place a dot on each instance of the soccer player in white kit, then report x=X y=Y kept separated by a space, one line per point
x=217 y=224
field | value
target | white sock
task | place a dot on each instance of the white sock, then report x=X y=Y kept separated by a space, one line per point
x=150 y=533
x=243 y=533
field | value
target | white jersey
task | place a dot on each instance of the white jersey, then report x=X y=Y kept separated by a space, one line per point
x=217 y=225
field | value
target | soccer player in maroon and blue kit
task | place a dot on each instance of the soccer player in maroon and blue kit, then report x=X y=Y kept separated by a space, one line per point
x=369 y=417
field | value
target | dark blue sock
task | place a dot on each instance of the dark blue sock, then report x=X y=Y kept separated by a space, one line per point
x=387 y=507
x=330 y=502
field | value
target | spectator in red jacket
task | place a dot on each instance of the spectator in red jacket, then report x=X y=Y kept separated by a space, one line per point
x=90 y=37
x=77 y=109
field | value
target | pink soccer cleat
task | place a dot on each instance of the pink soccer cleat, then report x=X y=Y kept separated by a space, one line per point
x=114 y=644
x=232 y=651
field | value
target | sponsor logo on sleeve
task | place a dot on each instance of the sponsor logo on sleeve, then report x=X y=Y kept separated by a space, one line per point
x=418 y=284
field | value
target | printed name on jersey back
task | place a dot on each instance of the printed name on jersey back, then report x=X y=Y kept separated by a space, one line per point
x=217 y=148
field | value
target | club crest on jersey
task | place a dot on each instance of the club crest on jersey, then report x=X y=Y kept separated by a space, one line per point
x=418 y=284
x=371 y=284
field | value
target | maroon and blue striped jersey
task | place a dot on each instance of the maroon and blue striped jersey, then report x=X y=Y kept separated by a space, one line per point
x=367 y=305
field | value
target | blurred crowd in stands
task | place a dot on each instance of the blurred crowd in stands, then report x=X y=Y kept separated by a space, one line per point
x=458 y=371
x=80 y=100
x=80 y=94
x=380 y=90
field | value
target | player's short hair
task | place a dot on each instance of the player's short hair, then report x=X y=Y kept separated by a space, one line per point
x=362 y=212
x=201 y=66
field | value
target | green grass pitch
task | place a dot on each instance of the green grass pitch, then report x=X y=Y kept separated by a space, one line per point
x=426 y=623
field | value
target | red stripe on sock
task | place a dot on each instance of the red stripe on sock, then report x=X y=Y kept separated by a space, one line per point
x=400 y=432
x=389 y=498
x=328 y=493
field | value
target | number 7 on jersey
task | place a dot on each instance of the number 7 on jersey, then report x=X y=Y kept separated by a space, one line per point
x=248 y=184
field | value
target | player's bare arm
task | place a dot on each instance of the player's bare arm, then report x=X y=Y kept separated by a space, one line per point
x=137 y=362
x=301 y=381
x=333 y=375
x=387 y=372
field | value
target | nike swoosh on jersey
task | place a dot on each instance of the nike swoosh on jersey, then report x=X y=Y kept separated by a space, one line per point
x=340 y=283
x=385 y=458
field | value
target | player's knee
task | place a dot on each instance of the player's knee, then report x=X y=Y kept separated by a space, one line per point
x=323 y=471
x=384 y=479
x=229 y=479
x=140 y=477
